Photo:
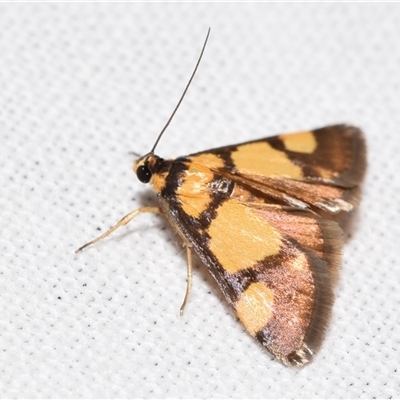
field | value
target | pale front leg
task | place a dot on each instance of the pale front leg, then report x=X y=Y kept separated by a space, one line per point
x=128 y=218
x=189 y=276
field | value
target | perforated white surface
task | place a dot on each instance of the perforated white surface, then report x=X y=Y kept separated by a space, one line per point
x=81 y=85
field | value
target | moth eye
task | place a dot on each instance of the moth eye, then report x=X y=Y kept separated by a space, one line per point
x=144 y=174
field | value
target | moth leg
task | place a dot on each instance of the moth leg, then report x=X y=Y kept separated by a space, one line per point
x=128 y=218
x=189 y=277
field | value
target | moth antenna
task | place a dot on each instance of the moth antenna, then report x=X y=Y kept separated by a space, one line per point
x=183 y=94
x=134 y=154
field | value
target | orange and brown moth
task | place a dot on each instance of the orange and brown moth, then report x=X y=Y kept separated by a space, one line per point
x=255 y=215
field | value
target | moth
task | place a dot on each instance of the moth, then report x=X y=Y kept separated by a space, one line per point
x=257 y=215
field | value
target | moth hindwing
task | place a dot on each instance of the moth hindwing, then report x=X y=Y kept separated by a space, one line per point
x=254 y=213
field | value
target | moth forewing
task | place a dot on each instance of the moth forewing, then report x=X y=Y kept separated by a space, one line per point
x=275 y=263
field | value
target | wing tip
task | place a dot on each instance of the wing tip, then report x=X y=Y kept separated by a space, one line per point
x=358 y=149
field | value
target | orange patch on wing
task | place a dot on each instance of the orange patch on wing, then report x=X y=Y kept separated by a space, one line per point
x=208 y=159
x=254 y=307
x=240 y=238
x=324 y=172
x=301 y=142
x=194 y=191
x=262 y=159
x=299 y=263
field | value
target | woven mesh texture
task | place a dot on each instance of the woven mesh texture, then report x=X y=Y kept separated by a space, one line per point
x=82 y=85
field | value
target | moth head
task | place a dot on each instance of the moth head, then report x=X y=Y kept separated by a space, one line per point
x=144 y=167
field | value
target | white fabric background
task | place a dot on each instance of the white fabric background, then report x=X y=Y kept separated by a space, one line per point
x=81 y=85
